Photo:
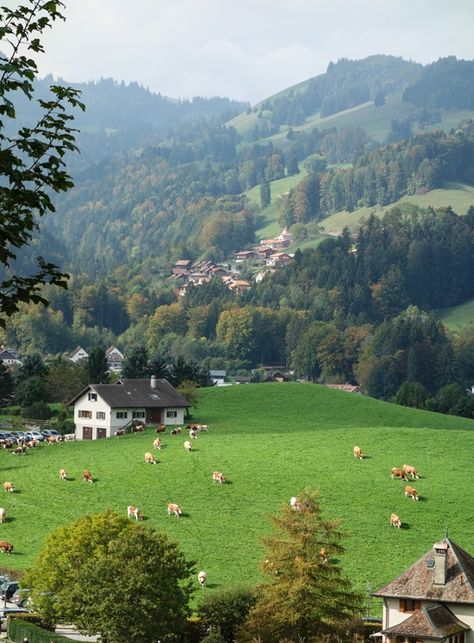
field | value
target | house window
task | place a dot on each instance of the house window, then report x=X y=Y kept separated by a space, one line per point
x=138 y=415
x=409 y=605
x=457 y=638
x=100 y=415
x=85 y=414
x=122 y=415
x=171 y=414
x=92 y=397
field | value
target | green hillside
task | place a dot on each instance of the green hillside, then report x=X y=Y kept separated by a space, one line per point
x=270 y=441
x=457 y=195
x=455 y=317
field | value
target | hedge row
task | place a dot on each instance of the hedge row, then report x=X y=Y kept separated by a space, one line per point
x=19 y=629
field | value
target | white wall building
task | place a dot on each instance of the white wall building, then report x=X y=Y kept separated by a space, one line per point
x=433 y=600
x=102 y=409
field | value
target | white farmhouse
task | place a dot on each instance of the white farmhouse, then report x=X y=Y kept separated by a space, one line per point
x=102 y=409
x=115 y=359
x=78 y=354
x=433 y=600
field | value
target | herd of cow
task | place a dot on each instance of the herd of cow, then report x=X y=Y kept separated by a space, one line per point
x=402 y=473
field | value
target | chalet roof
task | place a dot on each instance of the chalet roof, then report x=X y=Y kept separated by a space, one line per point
x=114 y=352
x=137 y=393
x=77 y=350
x=430 y=622
x=7 y=354
x=217 y=373
x=183 y=263
x=418 y=581
x=348 y=388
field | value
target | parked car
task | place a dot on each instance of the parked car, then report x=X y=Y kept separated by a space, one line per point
x=20 y=435
x=51 y=433
x=6 y=611
x=22 y=597
x=6 y=435
x=8 y=589
x=35 y=435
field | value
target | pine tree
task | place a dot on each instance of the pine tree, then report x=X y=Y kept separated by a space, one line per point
x=97 y=367
x=265 y=194
x=306 y=598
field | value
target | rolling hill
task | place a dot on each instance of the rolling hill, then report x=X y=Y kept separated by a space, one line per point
x=270 y=441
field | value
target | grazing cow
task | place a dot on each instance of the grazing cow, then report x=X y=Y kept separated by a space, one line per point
x=217 y=476
x=193 y=434
x=119 y=432
x=87 y=476
x=187 y=445
x=160 y=429
x=69 y=437
x=399 y=473
x=358 y=453
x=53 y=439
x=408 y=469
x=176 y=431
x=202 y=427
x=202 y=578
x=295 y=503
x=8 y=486
x=410 y=492
x=63 y=474
x=149 y=459
x=395 y=521
x=6 y=547
x=3 y=514
x=157 y=443
x=134 y=512
x=174 y=509
x=138 y=428
x=20 y=450
x=323 y=555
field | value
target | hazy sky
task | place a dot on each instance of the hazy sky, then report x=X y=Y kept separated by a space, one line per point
x=245 y=49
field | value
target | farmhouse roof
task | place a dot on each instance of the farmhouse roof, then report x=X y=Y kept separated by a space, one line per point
x=348 y=388
x=137 y=393
x=430 y=622
x=417 y=582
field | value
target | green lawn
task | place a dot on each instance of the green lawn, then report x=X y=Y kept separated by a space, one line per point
x=270 y=440
x=455 y=317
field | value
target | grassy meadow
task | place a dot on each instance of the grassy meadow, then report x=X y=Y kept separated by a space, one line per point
x=455 y=317
x=270 y=440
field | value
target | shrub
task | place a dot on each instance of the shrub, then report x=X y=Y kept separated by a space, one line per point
x=36 y=411
x=222 y=613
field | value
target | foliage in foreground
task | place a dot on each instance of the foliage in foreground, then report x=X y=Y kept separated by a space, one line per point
x=306 y=598
x=108 y=576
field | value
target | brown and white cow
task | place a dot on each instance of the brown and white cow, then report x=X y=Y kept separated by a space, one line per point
x=161 y=428
x=6 y=547
x=69 y=437
x=63 y=474
x=358 y=453
x=187 y=445
x=217 y=476
x=8 y=486
x=87 y=476
x=149 y=459
x=119 y=432
x=295 y=503
x=134 y=512
x=176 y=430
x=157 y=443
x=395 y=521
x=3 y=514
x=174 y=509
x=399 y=473
x=410 y=492
x=408 y=469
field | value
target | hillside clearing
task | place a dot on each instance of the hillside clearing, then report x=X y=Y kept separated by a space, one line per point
x=455 y=317
x=270 y=441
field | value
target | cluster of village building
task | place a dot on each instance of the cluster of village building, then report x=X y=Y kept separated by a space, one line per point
x=264 y=259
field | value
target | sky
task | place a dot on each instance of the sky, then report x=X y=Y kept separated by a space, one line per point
x=245 y=49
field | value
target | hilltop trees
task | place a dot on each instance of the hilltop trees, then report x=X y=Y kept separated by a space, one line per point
x=31 y=157
x=85 y=567
x=306 y=597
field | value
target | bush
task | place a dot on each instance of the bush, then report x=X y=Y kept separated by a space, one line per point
x=36 y=411
x=221 y=614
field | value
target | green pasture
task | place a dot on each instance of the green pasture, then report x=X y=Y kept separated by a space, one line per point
x=271 y=441
x=455 y=317
x=459 y=196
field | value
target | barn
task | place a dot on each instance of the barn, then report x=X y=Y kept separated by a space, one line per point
x=102 y=409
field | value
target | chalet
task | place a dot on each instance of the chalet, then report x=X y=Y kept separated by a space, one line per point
x=182 y=264
x=243 y=255
x=243 y=379
x=78 y=354
x=264 y=252
x=218 y=377
x=433 y=600
x=115 y=359
x=278 y=259
x=239 y=285
x=9 y=357
x=276 y=376
x=102 y=409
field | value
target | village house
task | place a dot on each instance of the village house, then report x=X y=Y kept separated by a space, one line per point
x=347 y=388
x=218 y=377
x=115 y=359
x=278 y=259
x=433 y=600
x=244 y=255
x=9 y=357
x=102 y=409
x=78 y=354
